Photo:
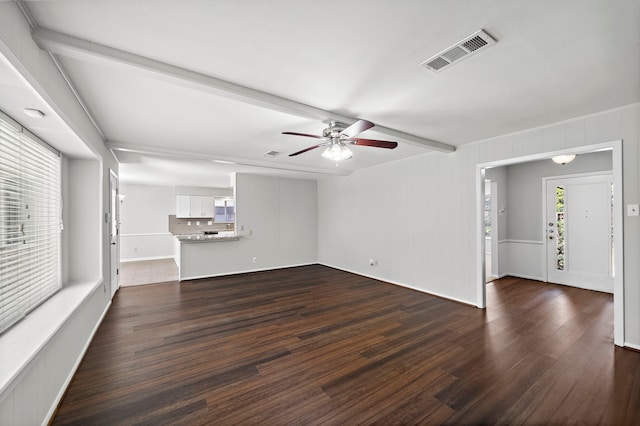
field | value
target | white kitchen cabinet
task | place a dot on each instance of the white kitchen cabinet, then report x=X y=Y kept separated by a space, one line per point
x=192 y=206
x=183 y=206
x=201 y=206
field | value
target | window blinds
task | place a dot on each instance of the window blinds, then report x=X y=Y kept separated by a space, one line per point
x=30 y=222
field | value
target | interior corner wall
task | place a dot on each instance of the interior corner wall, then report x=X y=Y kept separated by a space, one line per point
x=83 y=225
x=417 y=217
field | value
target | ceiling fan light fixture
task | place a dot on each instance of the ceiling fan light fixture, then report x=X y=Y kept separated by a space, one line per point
x=337 y=152
x=563 y=159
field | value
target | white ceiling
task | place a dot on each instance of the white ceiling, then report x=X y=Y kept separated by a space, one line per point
x=359 y=58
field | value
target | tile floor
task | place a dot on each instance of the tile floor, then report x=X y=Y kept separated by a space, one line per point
x=148 y=272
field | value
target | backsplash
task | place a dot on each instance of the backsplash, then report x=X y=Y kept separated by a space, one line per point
x=181 y=227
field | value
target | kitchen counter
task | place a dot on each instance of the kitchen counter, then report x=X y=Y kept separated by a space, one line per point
x=200 y=238
x=197 y=259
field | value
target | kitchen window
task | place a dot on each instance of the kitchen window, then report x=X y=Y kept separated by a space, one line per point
x=224 y=209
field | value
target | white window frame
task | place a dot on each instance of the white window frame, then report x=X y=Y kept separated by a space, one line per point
x=30 y=222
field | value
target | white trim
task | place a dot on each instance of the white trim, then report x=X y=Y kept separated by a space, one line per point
x=521 y=242
x=523 y=276
x=632 y=346
x=223 y=274
x=149 y=234
x=618 y=280
x=481 y=273
x=385 y=280
x=63 y=389
x=618 y=246
x=137 y=259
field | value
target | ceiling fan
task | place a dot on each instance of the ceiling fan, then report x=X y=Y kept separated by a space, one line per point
x=338 y=135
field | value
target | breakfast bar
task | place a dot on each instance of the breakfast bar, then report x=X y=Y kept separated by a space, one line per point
x=202 y=255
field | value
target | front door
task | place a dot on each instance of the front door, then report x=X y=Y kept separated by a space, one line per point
x=579 y=232
x=114 y=217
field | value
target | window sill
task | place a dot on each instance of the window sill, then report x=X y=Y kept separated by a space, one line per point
x=22 y=342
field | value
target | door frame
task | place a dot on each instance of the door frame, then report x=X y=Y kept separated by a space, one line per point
x=114 y=206
x=618 y=281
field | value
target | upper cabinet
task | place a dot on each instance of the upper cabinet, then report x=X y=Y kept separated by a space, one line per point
x=183 y=206
x=194 y=206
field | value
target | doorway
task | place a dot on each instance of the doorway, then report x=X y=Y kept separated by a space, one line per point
x=114 y=237
x=490 y=230
x=579 y=231
x=617 y=264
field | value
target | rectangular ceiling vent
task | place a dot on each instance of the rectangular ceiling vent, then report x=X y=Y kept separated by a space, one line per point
x=459 y=51
x=271 y=154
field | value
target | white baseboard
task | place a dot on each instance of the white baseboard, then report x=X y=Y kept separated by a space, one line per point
x=523 y=276
x=52 y=411
x=632 y=346
x=138 y=259
x=223 y=274
x=431 y=293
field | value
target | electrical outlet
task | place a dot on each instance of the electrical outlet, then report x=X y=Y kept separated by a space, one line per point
x=135 y=249
x=255 y=259
x=373 y=262
x=242 y=227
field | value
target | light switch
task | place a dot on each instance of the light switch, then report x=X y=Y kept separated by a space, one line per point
x=632 y=210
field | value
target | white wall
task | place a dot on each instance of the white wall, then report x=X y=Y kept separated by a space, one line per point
x=84 y=218
x=144 y=218
x=38 y=362
x=429 y=243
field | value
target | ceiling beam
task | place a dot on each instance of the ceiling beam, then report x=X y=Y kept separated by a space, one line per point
x=189 y=155
x=87 y=51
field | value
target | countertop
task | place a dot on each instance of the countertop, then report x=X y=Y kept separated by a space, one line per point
x=201 y=238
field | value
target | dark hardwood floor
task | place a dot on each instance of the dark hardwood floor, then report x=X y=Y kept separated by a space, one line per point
x=313 y=345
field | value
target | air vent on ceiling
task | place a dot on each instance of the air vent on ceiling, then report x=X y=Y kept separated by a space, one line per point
x=271 y=154
x=461 y=50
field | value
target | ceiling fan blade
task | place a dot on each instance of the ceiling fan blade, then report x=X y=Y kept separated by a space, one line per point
x=374 y=143
x=303 y=134
x=305 y=150
x=357 y=127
